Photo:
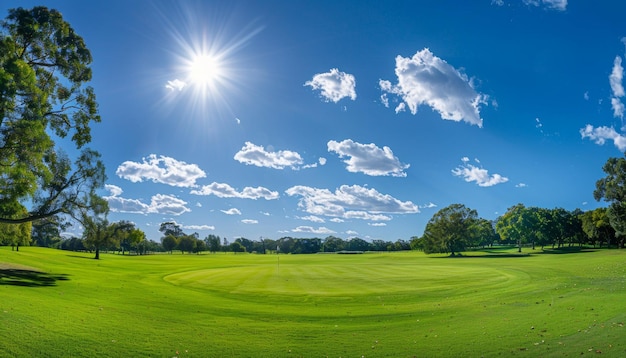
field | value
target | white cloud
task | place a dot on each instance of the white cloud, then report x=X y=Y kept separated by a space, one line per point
x=335 y=85
x=159 y=204
x=113 y=189
x=368 y=158
x=481 y=176
x=337 y=220
x=249 y=221
x=426 y=79
x=521 y=185
x=600 y=134
x=231 y=211
x=348 y=201
x=168 y=205
x=615 y=79
x=560 y=5
x=586 y=95
x=311 y=230
x=497 y=2
x=352 y=232
x=313 y=218
x=175 y=85
x=161 y=169
x=377 y=224
x=252 y=154
x=428 y=206
x=223 y=190
x=364 y=215
x=199 y=227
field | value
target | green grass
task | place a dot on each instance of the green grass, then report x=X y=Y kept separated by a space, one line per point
x=489 y=303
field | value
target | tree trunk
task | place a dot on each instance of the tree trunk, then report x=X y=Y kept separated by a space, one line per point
x=97 y=253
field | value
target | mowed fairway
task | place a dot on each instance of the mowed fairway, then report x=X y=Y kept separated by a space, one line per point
x=371 y=305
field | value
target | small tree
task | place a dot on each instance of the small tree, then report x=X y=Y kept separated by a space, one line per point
x=97 y=232
x=169 y=242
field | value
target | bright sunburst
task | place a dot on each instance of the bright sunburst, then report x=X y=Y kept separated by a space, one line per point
x=208 y=70
x=204 y=70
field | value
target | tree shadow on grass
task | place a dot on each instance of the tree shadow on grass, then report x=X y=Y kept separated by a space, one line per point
x=486 y=256
x=29 y=278
x=566 y=250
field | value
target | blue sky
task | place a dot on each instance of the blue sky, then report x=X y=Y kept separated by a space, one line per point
x=349 y=118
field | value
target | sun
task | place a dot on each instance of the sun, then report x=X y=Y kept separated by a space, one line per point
x=204 y=70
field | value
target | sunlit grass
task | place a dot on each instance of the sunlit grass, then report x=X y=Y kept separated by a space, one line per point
x=373 y=305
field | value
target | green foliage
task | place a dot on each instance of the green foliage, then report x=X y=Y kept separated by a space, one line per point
x=169 y=242
x=612 y=189
x=44 y=68
x=16 y=234
x=449 y=230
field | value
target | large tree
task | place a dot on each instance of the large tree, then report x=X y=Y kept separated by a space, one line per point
x=612 y=189
x=449 y=230
x=518 y=224
x=44 y=99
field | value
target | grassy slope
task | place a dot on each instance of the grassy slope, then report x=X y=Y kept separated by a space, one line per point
x=373 y=305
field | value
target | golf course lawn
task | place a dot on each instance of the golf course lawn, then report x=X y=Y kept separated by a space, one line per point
x=57 y=303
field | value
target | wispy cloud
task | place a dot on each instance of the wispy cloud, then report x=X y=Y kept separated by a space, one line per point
x=198 y=227
x=312 y=230
x=521 y=185
x=472 y=173
x=349 y=202
x=175 y=85
x=231 y=211
x=334 y=85
x=560 y=5
x=223 y=190
x=161 y=169
x=159 y=203
x=601 y=134
x=615 y=79
x=313 y=218
x=368 y=158
x=426 y=79
x=428 y=206
x=249 y=221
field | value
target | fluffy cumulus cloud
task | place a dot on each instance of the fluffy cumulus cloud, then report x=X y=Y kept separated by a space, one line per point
x=560 y=5
x=472 y=173
x=161 y=169
x=426 y=79
x=312 y=230
x=615 y=79
x=368 y=158
x=223 y=190
x=252 y=154
x=601 y=134
x=159 y=204
x=350 y=202
x=334 y=85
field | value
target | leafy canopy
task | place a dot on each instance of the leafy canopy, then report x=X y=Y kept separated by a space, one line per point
x=44 y=68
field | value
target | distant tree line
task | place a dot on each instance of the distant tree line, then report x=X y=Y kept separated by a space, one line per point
x=457 y=228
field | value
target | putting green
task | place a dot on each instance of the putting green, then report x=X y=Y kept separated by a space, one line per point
x=342 y=287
